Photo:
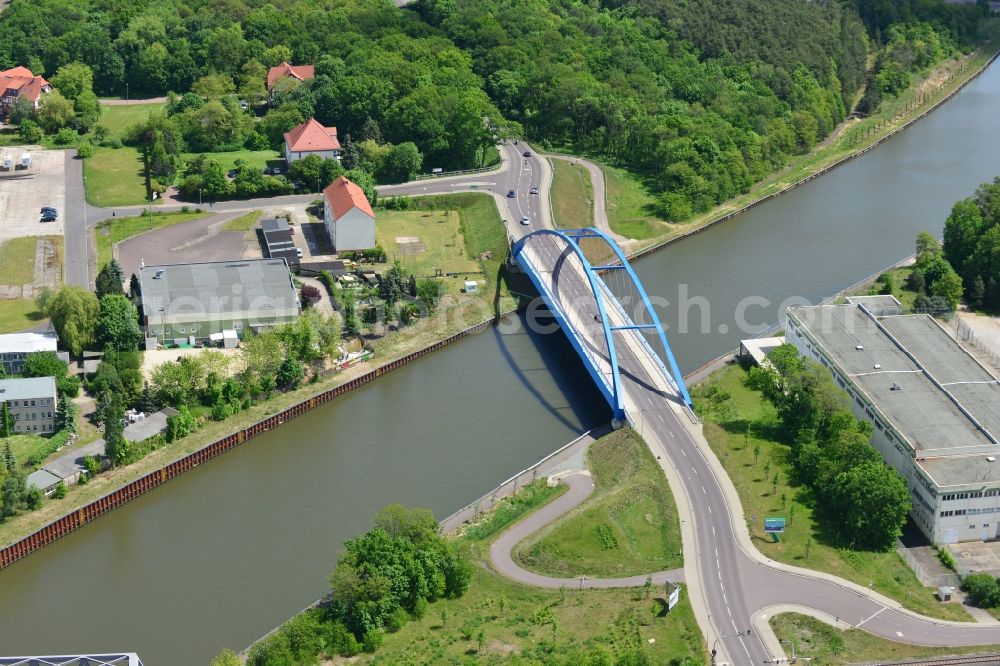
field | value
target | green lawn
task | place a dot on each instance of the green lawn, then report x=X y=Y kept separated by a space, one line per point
x=829 y=645
x=628 y=205
x=18 y=315
x=440 y=244
x=255 y=158
x=115 y=230
x=24 y=445
x=903 y=295
x=726 y=428
x=118 y=117
x=572 y=195
x=17 y=259
x=243 y=222
x=629 y=526
x=114 y=177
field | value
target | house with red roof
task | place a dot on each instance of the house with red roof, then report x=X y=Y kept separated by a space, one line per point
x=285 y=71
x=311 y=138
x=21 y=82
x=348 y=216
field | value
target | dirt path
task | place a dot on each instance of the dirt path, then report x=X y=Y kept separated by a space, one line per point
x=581 y=486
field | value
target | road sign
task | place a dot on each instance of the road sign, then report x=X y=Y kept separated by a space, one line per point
x=673 y=596
x=774 y=525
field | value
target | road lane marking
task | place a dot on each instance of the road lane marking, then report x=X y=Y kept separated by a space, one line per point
x=703 y=490
x=870 y=617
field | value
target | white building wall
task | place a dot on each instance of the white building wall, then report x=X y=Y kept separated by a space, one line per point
x=355 y=230
x=298 y=155
x=973 y=509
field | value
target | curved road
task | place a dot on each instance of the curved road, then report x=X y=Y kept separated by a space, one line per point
x=729 y=581
x=581 y=486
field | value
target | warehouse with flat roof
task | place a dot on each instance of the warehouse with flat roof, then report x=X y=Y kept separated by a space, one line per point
x=184 y=302
x=934 y=410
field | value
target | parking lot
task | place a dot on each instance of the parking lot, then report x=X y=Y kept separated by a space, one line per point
x=23 y=193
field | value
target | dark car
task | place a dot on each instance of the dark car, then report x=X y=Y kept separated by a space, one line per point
x=511 y=194
x=48 y=217
x=49 y=209
x=231 y=173
x=526 y=153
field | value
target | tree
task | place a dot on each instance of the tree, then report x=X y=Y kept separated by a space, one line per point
x=55 y=111
x=30 y=131
x=429 y=292
x=85 y=150
x=11 y=491
x=6 y=422
x=949 y=287
x=983 y=590
x=74 y=313
x=213 y=86
x=928 y=249
x=112 y=413
x=9 y=462
x=47 y=364
x=290 y=373
x=66 y=414
x=392 y=285
x=110 y=279
x=868 y=505
x=402 y=163
x=73 y=80
x=180 y=424
x=118 y=324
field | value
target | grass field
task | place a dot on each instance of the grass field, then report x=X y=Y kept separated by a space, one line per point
x=17 y=259
x=243 y=222
x=629 y=526
x=828 y=645
x=572 y=195
x=440 y=243
x=745 y=421
x=628 y=205
x=114 y=177
x=904 y=296
x=17 y=267
x=255 y=158
x=118 y=117
x=115 y=230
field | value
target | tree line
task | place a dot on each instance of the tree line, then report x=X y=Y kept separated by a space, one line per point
x=972 y=245
x=861 y=501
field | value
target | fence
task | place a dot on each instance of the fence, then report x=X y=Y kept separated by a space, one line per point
x=463 y=172
x=79 y=517
x=927 y=579
x=966 y=335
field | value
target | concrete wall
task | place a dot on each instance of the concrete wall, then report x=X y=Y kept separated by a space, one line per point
x=977 y=504
x=170 y=328
x=355 y=230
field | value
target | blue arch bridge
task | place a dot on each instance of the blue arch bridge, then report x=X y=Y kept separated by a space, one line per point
x=599 y=302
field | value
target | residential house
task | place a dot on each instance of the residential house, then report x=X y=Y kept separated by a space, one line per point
x=181 y=302
x=287 y=71
x=15 y=347
x=311 y=138
x=32 y=403
x=20 y=82
x=348 y=216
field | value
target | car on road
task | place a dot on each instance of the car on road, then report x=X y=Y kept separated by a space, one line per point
x=597 y=318
x=526 y=153
x=515 y=142
x=298 y=252
x=511 y=194
x=534 y=190
x=525 y=221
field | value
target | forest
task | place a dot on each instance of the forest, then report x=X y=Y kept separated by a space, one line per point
x=702 y=98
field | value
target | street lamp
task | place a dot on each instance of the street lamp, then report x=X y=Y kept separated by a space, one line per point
x=126 y=91
x=715 y=645
x=795 y=658
x=199 y=196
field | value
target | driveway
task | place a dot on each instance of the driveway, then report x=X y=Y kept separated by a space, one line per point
x=200 y=240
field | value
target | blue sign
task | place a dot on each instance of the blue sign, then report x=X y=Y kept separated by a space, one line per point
x=774 y=525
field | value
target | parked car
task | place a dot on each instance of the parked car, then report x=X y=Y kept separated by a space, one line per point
x=298 y=252
x=244 y=105
x=515 y=142
x=48 y=217
x=511 y=194
x=534 y=190
x=526 y=153
x=49 y=209
x=525 y=221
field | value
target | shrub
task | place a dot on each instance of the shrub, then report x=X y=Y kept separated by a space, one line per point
x=339 y=640
x=946 y=557
x=372 y=640
x=65 y=136
x=396 y=620
x=92 y=465
x=983 y=590
x=60 y=491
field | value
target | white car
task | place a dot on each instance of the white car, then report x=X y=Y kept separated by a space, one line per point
x=298 y=252
x=525 y=221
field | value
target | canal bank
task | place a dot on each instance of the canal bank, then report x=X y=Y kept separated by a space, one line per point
x=236 y=548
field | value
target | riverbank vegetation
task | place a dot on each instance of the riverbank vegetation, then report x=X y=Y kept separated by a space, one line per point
x=497 y=621
x=972 y=246
x=628 y=527
x=751 y=441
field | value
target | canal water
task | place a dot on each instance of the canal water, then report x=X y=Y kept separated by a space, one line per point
x=225 y=552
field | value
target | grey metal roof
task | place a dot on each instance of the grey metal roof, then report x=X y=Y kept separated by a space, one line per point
x=936 y=395
x=70 y=463
x=42 y=480
x=217 y=287
x=274 y=224
x=27 y=388
x=27 y=343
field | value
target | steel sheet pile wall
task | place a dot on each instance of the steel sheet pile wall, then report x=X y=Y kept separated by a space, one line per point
x=99 y=507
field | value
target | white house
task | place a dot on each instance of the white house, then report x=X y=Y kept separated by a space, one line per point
x=348 y=216
x=311 y=138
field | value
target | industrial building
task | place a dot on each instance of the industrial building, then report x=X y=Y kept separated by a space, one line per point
x=15 y=347
x=31 y=402
x=186 y=303
x=934 y=410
